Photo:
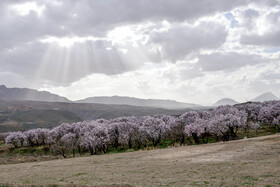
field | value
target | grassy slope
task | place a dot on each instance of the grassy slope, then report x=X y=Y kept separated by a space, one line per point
x=48 y=114
x=24 y=120
x=10 y=155
x=248 y=162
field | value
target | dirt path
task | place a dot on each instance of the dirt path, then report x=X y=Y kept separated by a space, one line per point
x=250 y=162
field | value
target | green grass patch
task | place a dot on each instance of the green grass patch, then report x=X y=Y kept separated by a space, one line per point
x=29 y=150
x=267 y=176
x=165 y=144
x=2 y=143
x=116 y=150
x=249 y=178
x=53 y=185
x=79 y=174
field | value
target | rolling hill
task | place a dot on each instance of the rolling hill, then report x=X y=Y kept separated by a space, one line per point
x=233 y=163
x=24 y=120
x=157 y=103
x=225 y=101
x=268 y=96
x=22 y=115
x=21 y=94
x=26 y=94
x=23 y=108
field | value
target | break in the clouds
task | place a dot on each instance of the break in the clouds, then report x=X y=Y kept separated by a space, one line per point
x=193 y=51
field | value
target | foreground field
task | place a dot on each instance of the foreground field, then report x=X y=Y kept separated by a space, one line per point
x=249 y=162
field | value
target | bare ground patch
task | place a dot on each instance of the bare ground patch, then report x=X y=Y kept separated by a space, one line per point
x=250 y=162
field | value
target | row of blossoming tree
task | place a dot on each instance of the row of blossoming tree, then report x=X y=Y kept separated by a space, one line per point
x=97 y=136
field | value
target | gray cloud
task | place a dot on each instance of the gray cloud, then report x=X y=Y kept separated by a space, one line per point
x=187 y=74
x=261 y=86
x=248 y=18
x=84 y=18
x=59 y=65
x=227 y=61
x=270 y=38
x=270 y=73
x=100 y=16
x=24 y=57
x=179 y=41
x=182 y=73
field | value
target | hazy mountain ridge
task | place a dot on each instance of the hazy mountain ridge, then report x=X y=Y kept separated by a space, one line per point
x=23 y=108
x=26 y=94
x=22 y=115
x=132 y=101
x=29 y=119
x=268 y=96
x=29 y=94
x=225 y=101
x=19 y=109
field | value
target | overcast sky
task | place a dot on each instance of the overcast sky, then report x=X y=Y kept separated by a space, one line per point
x=195 y=51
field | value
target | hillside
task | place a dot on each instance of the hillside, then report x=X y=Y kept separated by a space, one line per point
x=268 y=96
x=234 y=163
x=21 y=94
x=225 y=101
x=157 y=103
x=24 y=120
x=22 y=115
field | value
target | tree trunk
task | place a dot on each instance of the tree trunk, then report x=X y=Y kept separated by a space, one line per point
x=182 y=139
x=203 y=138
x=79 y=150
x=129 y=144
x=138 y=145
x=63 y=153
x=190 y=141
x=233 y=132
x=91 y=151
x=73 y=152
x=105 y=149
x=278 y=128
x=195 y=138
x=247 y=132
x=116 y=143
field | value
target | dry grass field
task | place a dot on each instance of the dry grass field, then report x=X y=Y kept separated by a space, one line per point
x=248 y=162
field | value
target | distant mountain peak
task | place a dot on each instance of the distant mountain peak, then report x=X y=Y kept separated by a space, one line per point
x=225 y=101
x=267 y=96
x=24 y=94
x=2 y=87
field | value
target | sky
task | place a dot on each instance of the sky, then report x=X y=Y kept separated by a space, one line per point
x=195 y=51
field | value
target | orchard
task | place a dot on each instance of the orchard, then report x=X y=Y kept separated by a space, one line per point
x=98 y=136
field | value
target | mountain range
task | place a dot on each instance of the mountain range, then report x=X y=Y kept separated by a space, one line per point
x=157 y=103
x=23 y=108
x=23 y=115
x=225 y=101
x=268 y=96
x=25 y=94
